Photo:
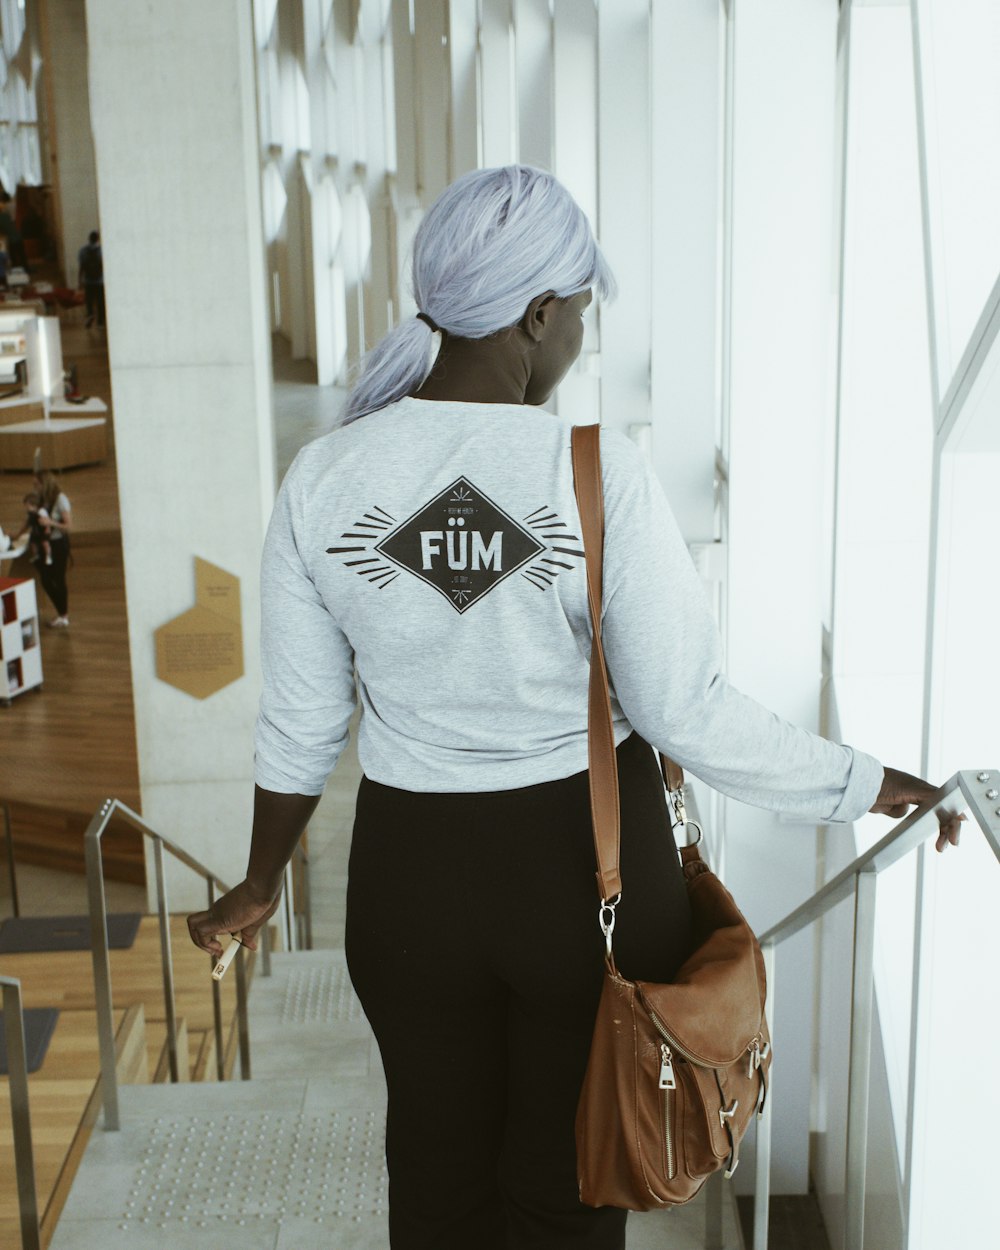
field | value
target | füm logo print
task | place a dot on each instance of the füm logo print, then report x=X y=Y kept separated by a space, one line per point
x=462 y=544
x=369 y=530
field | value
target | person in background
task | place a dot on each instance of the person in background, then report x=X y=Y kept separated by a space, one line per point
x=91 y=277
x=9 y=230
x=53 y=575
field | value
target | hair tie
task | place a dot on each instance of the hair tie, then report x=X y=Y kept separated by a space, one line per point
x=429 y=321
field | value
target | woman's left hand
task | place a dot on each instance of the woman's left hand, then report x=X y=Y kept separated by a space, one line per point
x=241 y=912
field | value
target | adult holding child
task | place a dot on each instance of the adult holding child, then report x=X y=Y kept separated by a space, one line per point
x=60 y=516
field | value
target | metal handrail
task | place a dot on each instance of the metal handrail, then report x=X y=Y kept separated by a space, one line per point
x=102 y=963
x=979 y=790
x=20 y=1113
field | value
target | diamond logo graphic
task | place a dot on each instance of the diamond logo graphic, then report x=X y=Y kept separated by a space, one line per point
x=462 y=544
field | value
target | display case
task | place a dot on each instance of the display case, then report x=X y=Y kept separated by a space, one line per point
x=20 y=644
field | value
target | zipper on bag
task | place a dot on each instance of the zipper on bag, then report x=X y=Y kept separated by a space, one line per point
x=672 y=1043
x=668 y=1084
x=667 y=1078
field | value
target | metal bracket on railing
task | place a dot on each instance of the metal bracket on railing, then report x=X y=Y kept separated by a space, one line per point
x=980 y=792
x=20 y=1113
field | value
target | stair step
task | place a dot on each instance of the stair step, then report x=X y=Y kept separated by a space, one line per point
x=305 y=1019
x=310 y=1166
x=201 y=1047
x=311 y=1173
x=157 y=1046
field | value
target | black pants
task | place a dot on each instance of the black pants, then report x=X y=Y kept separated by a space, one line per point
x=54 y=575
x=94 y=294
x=473 y=943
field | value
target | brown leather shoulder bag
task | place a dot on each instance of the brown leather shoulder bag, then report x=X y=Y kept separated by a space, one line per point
x=676 y=1071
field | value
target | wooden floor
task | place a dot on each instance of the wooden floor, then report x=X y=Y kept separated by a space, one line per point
x=66 y=747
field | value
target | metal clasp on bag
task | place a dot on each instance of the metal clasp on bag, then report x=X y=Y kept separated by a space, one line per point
x=606 y=918
x=680 y=817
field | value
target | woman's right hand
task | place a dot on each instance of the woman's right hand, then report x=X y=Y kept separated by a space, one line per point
x=241 y=912
x=901 y=790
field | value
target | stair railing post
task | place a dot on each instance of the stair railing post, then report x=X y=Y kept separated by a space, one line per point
x=714 y=1213
x=11 y=865
x=859 y=1070
x=762 y=1175
x=307 y=903
x=241 y=1013
x=288 y=909
x=98 y=907
x=220 y=1048
x=20 y=1113
x=166 y=960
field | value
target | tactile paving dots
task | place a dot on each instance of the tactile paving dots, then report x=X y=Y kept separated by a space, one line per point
x=264 y=1166
x=321 y=996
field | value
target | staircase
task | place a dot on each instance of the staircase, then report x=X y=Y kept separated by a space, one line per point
x=65 y=1098
x=292 y=1159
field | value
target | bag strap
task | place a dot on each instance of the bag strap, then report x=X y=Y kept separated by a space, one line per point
x=604 y=806
x=603 y=763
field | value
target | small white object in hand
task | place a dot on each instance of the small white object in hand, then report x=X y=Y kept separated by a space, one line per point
x=227 y=957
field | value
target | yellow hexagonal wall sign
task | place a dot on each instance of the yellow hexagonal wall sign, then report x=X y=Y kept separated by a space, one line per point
x=201 y=650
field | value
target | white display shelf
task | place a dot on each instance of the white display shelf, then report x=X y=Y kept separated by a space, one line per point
x=63 y=408
x=20 y=639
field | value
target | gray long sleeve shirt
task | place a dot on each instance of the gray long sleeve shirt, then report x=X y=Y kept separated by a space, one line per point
x=436 y=549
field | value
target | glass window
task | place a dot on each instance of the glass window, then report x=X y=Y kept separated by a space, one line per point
x=959 y=54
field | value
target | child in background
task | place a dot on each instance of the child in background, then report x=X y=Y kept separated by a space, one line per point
x=38 y=525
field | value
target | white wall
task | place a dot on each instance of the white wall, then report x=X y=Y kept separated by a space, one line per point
x=190 y=372
x=70 y=141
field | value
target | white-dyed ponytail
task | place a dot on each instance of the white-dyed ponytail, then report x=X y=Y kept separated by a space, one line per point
x=488 y=245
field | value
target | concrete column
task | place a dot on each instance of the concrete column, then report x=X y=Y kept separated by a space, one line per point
x=623 y=181
x=574 y=162
x=63 y=28
x=175 y=129
x=497 y=105
x=686 y=168
x=780 y=388
x=533 y=64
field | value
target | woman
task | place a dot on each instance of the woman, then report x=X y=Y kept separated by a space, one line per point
x=433 y=543
x=61 y=521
